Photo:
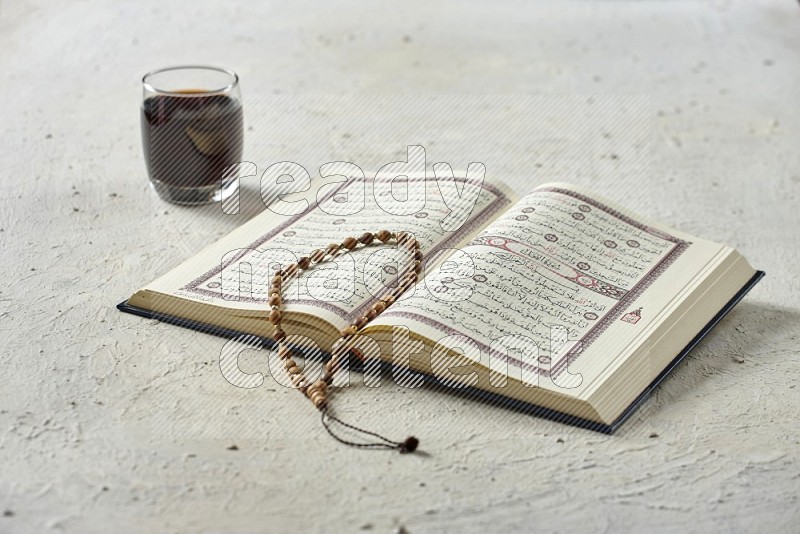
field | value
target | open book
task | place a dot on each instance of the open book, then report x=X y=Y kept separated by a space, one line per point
x=560 y=301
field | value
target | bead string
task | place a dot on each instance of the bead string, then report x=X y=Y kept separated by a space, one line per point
x=317 y=392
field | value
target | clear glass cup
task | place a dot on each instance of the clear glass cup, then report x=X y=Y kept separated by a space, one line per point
x=192 y=132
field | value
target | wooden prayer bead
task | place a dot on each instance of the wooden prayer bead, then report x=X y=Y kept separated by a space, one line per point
x=279 y=334
x=317 y=256
x=418 y=255
x=275 y=300
x=350 y=243
x=304 y=262
x=409 y=276
x=366 y=238
x=290 y=270
x=333 y=247
x=338 y=348
x=383 y=236
x=360 y=322
x=275 y=317
x=299 y=380
x=349 y=331
x=277 y=279
x=410 y=244
x=403 y=237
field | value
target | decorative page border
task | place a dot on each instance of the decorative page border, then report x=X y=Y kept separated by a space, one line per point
x=679 y=246
x=500 y=202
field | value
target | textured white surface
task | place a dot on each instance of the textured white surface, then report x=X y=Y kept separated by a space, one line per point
x=111 y=422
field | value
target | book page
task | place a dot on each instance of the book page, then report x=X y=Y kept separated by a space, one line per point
x=236 y=271
x=537 y=288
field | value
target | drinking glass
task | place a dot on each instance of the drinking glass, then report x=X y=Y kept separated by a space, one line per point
x=192 y=132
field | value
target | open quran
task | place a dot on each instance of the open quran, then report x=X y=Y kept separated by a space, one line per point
x=560 y=302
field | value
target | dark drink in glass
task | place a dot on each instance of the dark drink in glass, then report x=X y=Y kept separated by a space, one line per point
x=192 y=133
